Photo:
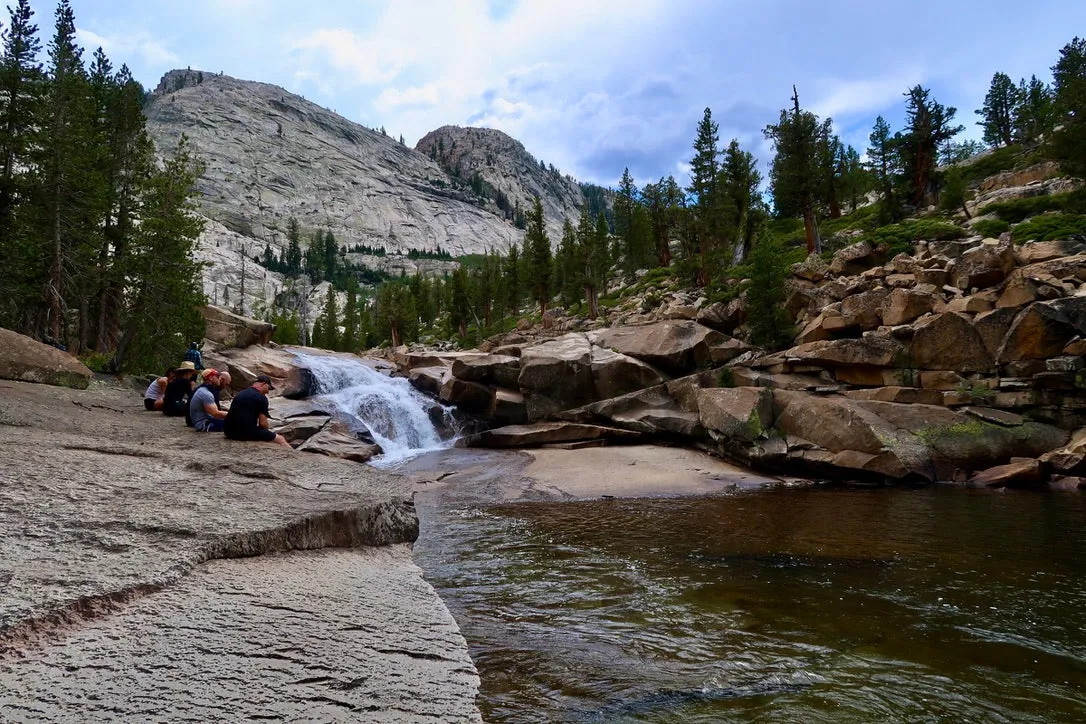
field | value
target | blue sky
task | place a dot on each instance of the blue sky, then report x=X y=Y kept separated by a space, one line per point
x=593 y=86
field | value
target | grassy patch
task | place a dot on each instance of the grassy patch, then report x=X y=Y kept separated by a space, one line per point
x=864 y=219
x=999 y=160
x=1019 y=210
x=899 y=238
x=991 y=227
x=1050 y=226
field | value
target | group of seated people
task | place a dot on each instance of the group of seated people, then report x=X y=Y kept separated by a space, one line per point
x=193 y=393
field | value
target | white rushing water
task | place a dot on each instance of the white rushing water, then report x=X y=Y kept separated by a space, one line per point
x=389 y=408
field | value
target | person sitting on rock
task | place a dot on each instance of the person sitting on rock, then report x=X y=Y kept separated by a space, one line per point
x=156 y=391
x=193 y=355
x=176 y=397
x=205 y=415
x=247 y=418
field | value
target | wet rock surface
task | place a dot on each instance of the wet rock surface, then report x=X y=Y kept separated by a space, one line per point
x=118 y=602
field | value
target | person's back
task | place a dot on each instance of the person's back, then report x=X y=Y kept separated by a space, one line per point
x=176 y=396
x=243 y=417
x=247 y=418
x=198 y=416
x=193 y=355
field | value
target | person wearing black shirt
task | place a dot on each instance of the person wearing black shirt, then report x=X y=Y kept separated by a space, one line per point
x=247 y=418
x=175 y=400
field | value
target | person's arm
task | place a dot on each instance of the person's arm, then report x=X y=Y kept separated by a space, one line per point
x=212 y=409
x=263 y=421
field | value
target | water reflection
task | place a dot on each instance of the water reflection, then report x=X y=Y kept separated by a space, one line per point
x=790 y=605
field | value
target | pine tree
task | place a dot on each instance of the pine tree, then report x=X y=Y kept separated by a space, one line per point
x=537 y=252
x=770 y=326
x=66 y=157
x=855 y=179
x=704 y=172
x=928 y=127
x=1034 y=114
x=165 y=286
x=21 y=91
x=793 y=174
x=591 y=258
x=511 y=289
x=1069 y=91
x=567 y=266
x=330 y=321
x=998 y=111
x=349 y=342
x=952 y=196
x=293 y=259
x=459 y=302
x=885 y=165
x=663 y=200
x=741 y=197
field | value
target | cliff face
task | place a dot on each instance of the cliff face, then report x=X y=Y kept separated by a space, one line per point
x=271 y=155
x=512 y=174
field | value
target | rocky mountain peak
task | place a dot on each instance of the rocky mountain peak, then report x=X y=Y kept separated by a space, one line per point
x=499 y=168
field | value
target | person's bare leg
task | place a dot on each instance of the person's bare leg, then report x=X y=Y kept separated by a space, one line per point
x=158 y=404
x=280 y=440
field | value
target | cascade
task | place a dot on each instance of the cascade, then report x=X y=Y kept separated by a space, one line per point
x=393 y=412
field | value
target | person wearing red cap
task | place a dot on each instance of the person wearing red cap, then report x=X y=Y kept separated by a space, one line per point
x=247 y=418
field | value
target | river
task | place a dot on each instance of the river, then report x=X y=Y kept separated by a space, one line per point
x=780 y=604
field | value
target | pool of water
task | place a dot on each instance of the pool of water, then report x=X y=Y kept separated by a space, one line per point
x=784 y=605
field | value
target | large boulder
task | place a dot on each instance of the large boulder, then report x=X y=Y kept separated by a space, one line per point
x=902 y=306
x=651 y=411
x=507 y=408
x=470 y=397
x=615 y=374
x=853 y=259
x=984 y=265
x=556 y=375
x=864 y=310
x=27 y=360
x=340 y=445
x=545 y=433
x=871 y=351
x=949 y=342
x=912 y=441
x=741 y=414
x=428 y=379
x=1040 y=331
x=674 y=346
x=234 y=330
x=1019 y=473
x=495 y=369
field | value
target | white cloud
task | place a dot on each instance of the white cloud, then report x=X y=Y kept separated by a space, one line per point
x=414 y=97
x=122 y=49
x=842 y=98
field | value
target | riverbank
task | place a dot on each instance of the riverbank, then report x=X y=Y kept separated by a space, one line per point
x=151 y=571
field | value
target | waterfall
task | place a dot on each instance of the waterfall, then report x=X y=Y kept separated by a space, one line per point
x=393 y=412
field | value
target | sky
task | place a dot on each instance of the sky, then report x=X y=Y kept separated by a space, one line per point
x=593 y=86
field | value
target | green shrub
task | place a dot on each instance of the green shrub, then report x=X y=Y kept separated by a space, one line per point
x=865 y=218
x=96 y=361
x=725 y=378
x=1019 y=210
x=899 y=238
x=991 y=227
x=978 y=394
x=1001 y=159
x=1049 y=226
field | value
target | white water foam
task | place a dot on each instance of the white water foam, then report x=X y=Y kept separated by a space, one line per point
x=389 y=408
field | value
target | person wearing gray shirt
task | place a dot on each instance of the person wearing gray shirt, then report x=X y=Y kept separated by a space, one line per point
x=204 y=406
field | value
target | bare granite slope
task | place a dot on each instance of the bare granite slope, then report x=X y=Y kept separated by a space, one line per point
x=149 y=571
x=271 y=155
